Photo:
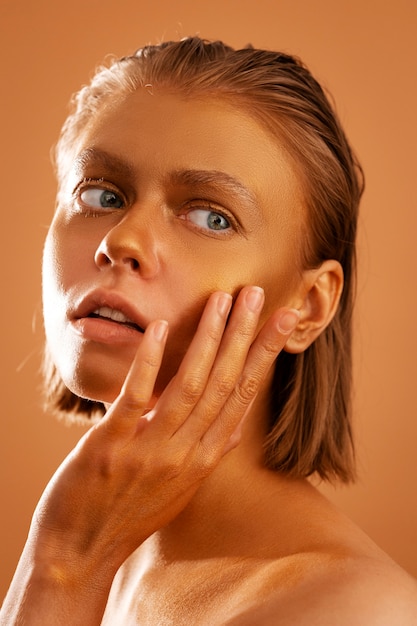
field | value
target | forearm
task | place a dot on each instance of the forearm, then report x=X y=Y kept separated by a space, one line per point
x=47 y=595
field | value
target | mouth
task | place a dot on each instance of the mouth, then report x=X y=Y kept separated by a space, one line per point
x=114 y=315
x=105 y=316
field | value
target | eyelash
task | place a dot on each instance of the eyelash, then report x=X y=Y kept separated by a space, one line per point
x=99 y=185
x=210 y=209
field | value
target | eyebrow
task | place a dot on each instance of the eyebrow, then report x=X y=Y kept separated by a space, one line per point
x=218 y=181
x=198 y=179
x=94 y=156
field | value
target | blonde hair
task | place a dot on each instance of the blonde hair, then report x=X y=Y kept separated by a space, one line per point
x=310 y=430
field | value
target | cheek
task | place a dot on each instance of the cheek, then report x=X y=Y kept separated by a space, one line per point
x=281 y=288
x=68 y=261
x=280 y=278
x=186 y=295
x=51 y=278
x=61 y=267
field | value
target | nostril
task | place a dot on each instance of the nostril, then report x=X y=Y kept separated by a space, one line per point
x=112 y=253
x=134 y=263
x=102 y=259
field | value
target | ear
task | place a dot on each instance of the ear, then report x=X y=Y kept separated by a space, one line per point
x=317 y=301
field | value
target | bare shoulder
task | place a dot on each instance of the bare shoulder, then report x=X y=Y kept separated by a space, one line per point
x=358 y=591
x=364 y=591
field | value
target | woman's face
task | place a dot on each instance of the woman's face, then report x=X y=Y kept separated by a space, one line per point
x=167 y=200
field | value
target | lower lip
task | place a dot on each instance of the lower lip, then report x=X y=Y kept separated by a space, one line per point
x=104 y=331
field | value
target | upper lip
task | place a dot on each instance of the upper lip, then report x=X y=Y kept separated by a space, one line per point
x=98 y=298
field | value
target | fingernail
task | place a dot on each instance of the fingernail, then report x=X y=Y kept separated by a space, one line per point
x=224 y=304
x=288 y=320
x=254 y=299
x=160 y=330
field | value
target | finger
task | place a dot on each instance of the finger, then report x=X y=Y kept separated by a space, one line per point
x=229 y=361
x=184 y=391
x=226 y=429
x=137 y=390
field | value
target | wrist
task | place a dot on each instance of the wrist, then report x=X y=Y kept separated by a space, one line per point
x=49 y=590
x=73 y=572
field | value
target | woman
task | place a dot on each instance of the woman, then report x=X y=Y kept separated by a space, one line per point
x=198 y=285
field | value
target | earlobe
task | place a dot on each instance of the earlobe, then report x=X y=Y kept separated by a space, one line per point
x=319 y=297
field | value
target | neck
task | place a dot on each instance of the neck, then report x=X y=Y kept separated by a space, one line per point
x=224 y=515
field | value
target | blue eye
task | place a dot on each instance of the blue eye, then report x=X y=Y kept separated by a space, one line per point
x=101 y=199
x=206 y=218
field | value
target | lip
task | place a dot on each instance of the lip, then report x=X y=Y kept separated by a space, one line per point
x=103 y=330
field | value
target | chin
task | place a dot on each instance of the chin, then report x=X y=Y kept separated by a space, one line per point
x=93 y=379
x=97 y=372
x=101 y=383
x=94 y=389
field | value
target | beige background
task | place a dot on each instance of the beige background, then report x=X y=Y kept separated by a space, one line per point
x=365 y=52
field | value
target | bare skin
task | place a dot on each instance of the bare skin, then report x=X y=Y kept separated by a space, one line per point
x=304 y=564
x=164 y=512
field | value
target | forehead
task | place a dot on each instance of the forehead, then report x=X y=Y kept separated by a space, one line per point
x=151 y=132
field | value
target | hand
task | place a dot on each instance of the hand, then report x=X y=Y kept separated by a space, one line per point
x=132 y=473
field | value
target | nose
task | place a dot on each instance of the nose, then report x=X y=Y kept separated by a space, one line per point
x=129 y=247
